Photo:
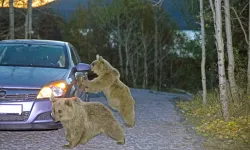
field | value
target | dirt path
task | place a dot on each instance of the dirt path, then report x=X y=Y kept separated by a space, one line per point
x=158 y=127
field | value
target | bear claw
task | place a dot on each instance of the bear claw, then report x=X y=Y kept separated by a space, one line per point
x=121 y=142
x=66 y=146
x=129 y=126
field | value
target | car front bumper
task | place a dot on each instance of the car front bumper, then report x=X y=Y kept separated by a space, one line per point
x=36 y=115
x=30 y=126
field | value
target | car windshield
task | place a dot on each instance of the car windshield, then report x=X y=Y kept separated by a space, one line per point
x=33 y=55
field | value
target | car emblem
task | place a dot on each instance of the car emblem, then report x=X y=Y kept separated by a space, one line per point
x=2 y=93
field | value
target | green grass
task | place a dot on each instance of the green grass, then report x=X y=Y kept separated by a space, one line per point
x=208 y=122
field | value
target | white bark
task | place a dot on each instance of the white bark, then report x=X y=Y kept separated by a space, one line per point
x=127 y=58
x=248 y=66
x=145 y=55
x=231 y=64
x=160 y=68
x=220 y=52
x=203 y=60
x=145 y=78
x=133 y=65
x=12 y=20
x=29 y=19
x=127 y=42
x=119 y=45
x=155 y=50
x=26 y=26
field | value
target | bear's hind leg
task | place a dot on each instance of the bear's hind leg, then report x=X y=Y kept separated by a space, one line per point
x=115 y=132
x=128 y=115
x=87 y=136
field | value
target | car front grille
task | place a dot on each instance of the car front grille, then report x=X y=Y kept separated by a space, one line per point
x=13 y=117
x=19 y=97
x=44 y=116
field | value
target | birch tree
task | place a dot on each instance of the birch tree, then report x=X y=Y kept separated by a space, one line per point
x=248 y=66
x=216 y=10
x=12 y=20
x=247 y=40
x=145 y=58
x=230 y=53
x=119 y=43
x=203 y=60
x=155 y=49
x=28 y=20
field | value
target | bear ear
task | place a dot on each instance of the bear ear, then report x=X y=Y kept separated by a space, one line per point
x=68 y=103
x=97 y=56
x=100 y=58
x=52 y=98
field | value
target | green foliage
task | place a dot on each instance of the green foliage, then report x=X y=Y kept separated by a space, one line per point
x=135 y=21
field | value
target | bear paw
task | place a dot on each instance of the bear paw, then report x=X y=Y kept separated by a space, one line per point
x=66 y=146
x=129 y=125
x=121 y=142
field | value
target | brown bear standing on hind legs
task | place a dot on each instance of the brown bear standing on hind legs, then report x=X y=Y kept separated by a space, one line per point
x=117 y=93
x=84 y=120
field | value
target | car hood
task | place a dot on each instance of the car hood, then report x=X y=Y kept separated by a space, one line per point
x=29 y=77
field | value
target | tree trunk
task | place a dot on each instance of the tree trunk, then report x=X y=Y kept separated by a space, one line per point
x=220 y=53
x=127 y=60
x=26 y=26
x=119 y=46
x=145 y=78
x=203 y=61
x=3 y=2
x=12 y=20
x=131 y=67
x=248 y=66
x=126 y=46
x=231 y=76
x=137 y=66
x=29 y=19
x=155 y=51
x=160 y=70
x=171 y=72
x=134 y=70
x=145 y=67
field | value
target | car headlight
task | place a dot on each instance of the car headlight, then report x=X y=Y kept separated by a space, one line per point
x=58 y=88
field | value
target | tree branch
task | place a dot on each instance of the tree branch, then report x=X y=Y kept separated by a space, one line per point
x=246 y=38
x=244 y=8
x=157 y=3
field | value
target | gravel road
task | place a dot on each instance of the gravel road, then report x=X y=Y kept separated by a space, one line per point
x=158 y=127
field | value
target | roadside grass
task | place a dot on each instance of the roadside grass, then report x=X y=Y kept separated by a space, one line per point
x=208 y=122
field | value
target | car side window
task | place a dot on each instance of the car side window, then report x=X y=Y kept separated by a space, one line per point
x=74 y=57
x=76 y=54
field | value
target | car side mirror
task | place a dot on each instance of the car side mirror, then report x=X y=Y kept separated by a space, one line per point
x=82 y=67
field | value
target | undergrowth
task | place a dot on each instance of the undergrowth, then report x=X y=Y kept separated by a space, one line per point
x=208 y=121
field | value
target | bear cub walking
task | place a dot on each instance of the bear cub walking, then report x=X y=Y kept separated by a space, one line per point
x=84 y=120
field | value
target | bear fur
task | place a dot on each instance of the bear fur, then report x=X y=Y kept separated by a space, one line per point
x=117 y=93
x=84 y=120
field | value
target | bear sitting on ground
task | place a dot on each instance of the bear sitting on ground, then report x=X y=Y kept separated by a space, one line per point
x=84 y=120
x=117 y=93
